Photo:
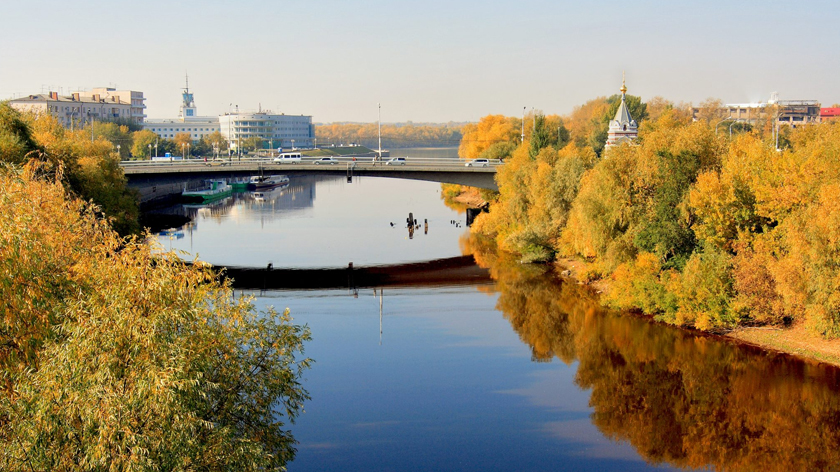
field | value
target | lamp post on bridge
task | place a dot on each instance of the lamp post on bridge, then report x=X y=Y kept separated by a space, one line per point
x=379 y=121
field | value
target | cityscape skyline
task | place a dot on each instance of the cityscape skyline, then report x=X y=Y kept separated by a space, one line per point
x=436 y=62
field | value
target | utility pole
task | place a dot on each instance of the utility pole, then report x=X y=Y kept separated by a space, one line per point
x=523 y=124
x=380 y=131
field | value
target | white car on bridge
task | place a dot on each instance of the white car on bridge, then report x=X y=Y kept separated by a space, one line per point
x=396 y=161
x=478 y=163
x=326 y=160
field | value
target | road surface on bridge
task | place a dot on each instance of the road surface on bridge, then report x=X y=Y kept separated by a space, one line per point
x=446 y=170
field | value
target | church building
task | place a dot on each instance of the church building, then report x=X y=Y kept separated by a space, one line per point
x=623 y=127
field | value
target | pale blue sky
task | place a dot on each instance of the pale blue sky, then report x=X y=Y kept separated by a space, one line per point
x=430 y=60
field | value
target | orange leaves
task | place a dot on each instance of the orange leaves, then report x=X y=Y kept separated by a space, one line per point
x=133 y=355
x=490 y=130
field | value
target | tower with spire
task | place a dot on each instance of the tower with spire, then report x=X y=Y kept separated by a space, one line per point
x=187 y=110
x=623 y=127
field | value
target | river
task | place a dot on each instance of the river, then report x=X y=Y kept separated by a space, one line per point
x=520 y=370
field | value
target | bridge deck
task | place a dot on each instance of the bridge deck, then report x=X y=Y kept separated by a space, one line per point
x=461 y=270
x=431 y=169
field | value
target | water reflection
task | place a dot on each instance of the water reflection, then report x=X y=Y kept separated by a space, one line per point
x=320 y=221
x=679 y=398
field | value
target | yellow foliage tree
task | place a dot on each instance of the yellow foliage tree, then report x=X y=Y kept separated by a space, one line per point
x=114 y=356
x=490 y=130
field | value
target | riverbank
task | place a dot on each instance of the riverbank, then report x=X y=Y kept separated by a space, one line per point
x=795 y=340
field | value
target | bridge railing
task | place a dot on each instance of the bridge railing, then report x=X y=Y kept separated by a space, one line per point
x=366 y=162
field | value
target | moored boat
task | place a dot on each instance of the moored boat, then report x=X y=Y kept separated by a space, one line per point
x=260 y=182
x=239 y=184
x=215 y=190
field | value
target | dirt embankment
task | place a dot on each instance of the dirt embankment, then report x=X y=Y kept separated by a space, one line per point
x=470 y=199
x=795 y=340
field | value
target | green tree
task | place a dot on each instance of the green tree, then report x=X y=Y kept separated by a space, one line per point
x=665 y=231
x=563 y=135
x=539 y=137
x=15 y=136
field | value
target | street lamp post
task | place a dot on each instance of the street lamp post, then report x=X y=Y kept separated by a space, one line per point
x=150 y=152
x=379 y=153
x=523 y=123
x=719 y=123
x=730 y=127
x=118 y=151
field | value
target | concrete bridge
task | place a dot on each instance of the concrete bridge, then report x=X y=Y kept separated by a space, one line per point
x=461 y=270
x=153 y=178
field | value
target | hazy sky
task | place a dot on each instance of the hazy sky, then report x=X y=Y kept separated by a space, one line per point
x=432 y=60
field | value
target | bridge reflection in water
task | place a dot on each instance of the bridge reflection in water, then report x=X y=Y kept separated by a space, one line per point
x=451 y=271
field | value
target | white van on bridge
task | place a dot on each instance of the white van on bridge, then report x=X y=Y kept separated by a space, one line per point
x=288 y=158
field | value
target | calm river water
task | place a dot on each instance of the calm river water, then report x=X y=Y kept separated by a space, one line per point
x=521 y=371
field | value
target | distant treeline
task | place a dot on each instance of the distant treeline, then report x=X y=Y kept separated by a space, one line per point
x=398 y=135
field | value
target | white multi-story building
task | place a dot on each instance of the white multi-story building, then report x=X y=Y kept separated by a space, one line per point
x=290 y=131
x=187 y=122
x=80 y=108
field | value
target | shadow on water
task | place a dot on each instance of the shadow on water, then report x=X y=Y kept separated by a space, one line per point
x=681 y=398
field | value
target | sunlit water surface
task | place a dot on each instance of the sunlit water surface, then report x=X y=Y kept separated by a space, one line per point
x=522 y=373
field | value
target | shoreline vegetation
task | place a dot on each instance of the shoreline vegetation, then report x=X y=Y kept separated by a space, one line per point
x=723 y=234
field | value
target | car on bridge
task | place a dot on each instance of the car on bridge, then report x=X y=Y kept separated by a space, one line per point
x=396 y=161
x=326 y=160
x=478 y=163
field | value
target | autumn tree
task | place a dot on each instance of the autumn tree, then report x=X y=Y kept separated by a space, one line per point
x=144 y=141
x=182 y=140
x=711 y=111
x=393 y=135
x=115 y=356
x=490 y=130
x=87 y=167
x=216 y=141
x=252 y=143
x=119 y=135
